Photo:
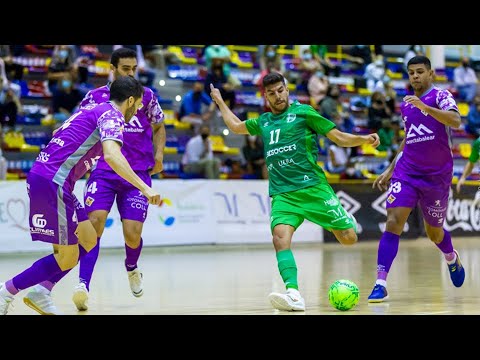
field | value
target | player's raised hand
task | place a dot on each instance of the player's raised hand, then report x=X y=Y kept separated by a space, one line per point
x=373 y=139
x=215 y=94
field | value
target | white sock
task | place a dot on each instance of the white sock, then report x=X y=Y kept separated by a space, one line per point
x=381 y=282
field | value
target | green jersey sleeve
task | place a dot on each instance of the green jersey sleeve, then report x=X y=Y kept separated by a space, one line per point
x=253 y=126
x=475 y=154
x=317 y=122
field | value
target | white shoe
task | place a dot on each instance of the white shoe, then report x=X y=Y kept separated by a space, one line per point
x=135 y=277
x=290 y=301
x=5 y=300
x=80 y=297
x=40 y=300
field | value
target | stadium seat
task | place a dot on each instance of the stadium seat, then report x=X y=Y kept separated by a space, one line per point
x=463 y=108
x=465 y=149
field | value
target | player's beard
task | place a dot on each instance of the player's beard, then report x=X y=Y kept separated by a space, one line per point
x=129 y=113
x=277 y=109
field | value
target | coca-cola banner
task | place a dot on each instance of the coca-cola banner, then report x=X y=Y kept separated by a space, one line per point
x=368 y=207
x=463 y=215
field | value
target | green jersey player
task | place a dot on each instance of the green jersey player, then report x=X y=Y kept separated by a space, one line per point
x=467 y=170
x=297 y=185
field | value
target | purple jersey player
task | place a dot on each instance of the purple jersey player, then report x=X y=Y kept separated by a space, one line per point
x=104 y=186
x=421 y=173
x=56 y=216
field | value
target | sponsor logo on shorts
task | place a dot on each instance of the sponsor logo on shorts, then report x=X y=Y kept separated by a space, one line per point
x=89 y=201
x=39 y=225
x=391 y=198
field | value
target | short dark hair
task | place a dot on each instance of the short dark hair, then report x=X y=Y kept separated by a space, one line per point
x=125 y=86
x=273 y=78
x=420 y=59
x=122 y=53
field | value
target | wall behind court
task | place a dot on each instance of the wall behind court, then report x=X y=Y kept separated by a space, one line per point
x=198 y=211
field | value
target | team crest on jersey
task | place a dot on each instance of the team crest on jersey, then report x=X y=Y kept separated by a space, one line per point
x=291 y=118
x=89 y=201
x=391 y=199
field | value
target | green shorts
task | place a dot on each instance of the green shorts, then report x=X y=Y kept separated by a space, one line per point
x=318 y=204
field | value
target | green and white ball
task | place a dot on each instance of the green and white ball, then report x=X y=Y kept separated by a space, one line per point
x=343 y=294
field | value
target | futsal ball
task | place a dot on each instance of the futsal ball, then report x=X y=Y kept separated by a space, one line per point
x=343 y=294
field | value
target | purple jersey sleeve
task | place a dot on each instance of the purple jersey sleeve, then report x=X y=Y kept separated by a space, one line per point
x=111 y=126
x=153 y=110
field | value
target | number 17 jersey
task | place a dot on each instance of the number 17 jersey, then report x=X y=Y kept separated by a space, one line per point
x=290 y=146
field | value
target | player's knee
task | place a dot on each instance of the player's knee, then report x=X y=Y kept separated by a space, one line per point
x=87 y=235
x=132 y=240
x=393 y=225
x=280 y=241
x=98 y=221
x=435 y=235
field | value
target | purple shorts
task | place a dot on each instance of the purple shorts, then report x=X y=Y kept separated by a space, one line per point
x=103 y=187
x=430 y=193
x=54 y=212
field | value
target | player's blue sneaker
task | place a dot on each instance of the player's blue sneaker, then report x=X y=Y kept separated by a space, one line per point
x=379 y=294
x=457 y=271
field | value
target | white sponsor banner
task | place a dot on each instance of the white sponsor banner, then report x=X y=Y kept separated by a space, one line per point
x=193 y=211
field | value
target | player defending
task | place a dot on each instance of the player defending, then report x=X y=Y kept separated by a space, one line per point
x=297 y=185
x=56 y=216
x=421 y=173
x=104 y=186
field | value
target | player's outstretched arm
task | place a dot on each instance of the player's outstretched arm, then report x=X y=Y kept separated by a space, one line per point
x=114 y=157
x=351 y=140
x=467 y=170
x=231 y=120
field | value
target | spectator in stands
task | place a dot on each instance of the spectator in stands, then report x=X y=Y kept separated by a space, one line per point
x=337 y=158
x=359 y=56
x=388 y=139
x=317 y=88
x=465 y=81
x=160 y=56
x=390 y=94
x=374 y=74
x=320 y=53
x=63 y=62
x=473 y=118
x=328 y=107
x=10 y=106
x=13 y=70
x=307 y=67
x=66 y=99
x=145 y=74
x=219 y=53
x=198 y=157
x=378 y=111
x=191 y=109
x=271 y=59
x=3 y=161
x=219 y=79
x=254 y=157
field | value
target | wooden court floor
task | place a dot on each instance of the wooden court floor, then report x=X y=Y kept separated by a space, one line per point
x=235 y=280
